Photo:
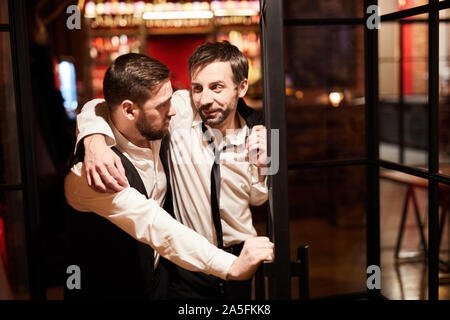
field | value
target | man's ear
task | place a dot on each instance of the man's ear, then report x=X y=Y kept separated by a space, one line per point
x=129 y=109
x=243 y=87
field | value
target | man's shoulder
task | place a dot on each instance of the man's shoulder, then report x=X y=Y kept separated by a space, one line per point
x=94 y=102
x=98 y=106
x=181 y=101
x=183 y=94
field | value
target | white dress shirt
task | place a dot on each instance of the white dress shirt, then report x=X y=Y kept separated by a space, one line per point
x=191 y=161
x=143 y=218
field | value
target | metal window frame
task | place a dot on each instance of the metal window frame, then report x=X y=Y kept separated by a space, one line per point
x=17 y=29
x=371 y=74
x=272 y=47
x=272 y=52
x=433 y=152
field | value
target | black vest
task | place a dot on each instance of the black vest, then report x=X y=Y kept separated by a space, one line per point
x=251 y=116
x=113 y=264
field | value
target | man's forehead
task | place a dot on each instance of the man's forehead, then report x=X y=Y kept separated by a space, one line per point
x=223 y=66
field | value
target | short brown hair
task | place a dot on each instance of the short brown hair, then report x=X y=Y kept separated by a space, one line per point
x=220 y=51
x=133 y=76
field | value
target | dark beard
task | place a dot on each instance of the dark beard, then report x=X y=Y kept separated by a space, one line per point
x=215 y=122
x=149 y=132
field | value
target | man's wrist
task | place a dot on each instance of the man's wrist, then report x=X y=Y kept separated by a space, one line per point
x=95 y=137
x=261 y=177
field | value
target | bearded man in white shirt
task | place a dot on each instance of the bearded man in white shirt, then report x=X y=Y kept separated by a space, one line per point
x=138 y=112
x=209 y=152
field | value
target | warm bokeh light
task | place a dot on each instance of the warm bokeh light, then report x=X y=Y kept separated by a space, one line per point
x=178 y=15
x=336 y=98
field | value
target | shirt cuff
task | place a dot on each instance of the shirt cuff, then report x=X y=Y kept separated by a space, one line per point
x=255 y=177
x=221 y=264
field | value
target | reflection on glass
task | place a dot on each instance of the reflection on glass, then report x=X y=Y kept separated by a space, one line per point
x=13 y=260
x=444 y=92
x=404 y=235
x=403 y=81
x=9 y=146
x=306 y=9
x=403 y=219
x=4 y=11
x=444 y=237
x=325 y=93
x=68 y=87
x=327 y=212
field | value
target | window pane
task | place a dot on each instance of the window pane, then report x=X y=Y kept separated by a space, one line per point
x=9 y=145
x=307 y=9
x=444 y=93
x=390 y=6
x=402 y=281
x=404 y=202
x=325 y=93
x=4 y=11
x=13 y=259
x=403 y=81
x=444 y=246
x=327 y=212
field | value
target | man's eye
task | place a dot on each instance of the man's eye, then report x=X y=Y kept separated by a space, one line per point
x=217 y=88
x=197 y=89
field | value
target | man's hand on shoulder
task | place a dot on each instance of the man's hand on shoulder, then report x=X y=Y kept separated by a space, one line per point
x=104 y=169
x=255 y=251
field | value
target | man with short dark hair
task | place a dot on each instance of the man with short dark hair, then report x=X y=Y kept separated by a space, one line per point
x=138 y=110
x=212 y=178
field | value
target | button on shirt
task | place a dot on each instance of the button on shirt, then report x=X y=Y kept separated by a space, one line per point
x=191 y=160
x=143 y=218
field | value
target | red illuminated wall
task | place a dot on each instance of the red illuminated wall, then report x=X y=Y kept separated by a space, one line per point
x=407 y=39
x=174 y=50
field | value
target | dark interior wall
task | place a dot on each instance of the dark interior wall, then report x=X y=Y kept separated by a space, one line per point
x=62 y=43
x=322 y=56
x=320 y=59
x=322 y=9
x=53 y=132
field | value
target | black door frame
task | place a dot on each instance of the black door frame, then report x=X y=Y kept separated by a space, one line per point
x=273 y=80
x=17 y=29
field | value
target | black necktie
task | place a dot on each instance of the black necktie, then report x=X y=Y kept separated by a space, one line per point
x=215 y=186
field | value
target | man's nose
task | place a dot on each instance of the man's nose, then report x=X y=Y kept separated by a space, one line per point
x=206 y=98
x=172 y=111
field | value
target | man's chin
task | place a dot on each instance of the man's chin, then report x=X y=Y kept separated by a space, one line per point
x=156 y=135
x=163 y=133
x=213 y=121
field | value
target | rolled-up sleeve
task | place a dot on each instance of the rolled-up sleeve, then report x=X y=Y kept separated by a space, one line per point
x=147 y=222
x=259 y=192
x=92 y=119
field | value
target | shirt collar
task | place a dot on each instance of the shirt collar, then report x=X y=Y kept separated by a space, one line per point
x=241 y=133
x=197 y=119
x=133 y=150
x=235 y=139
